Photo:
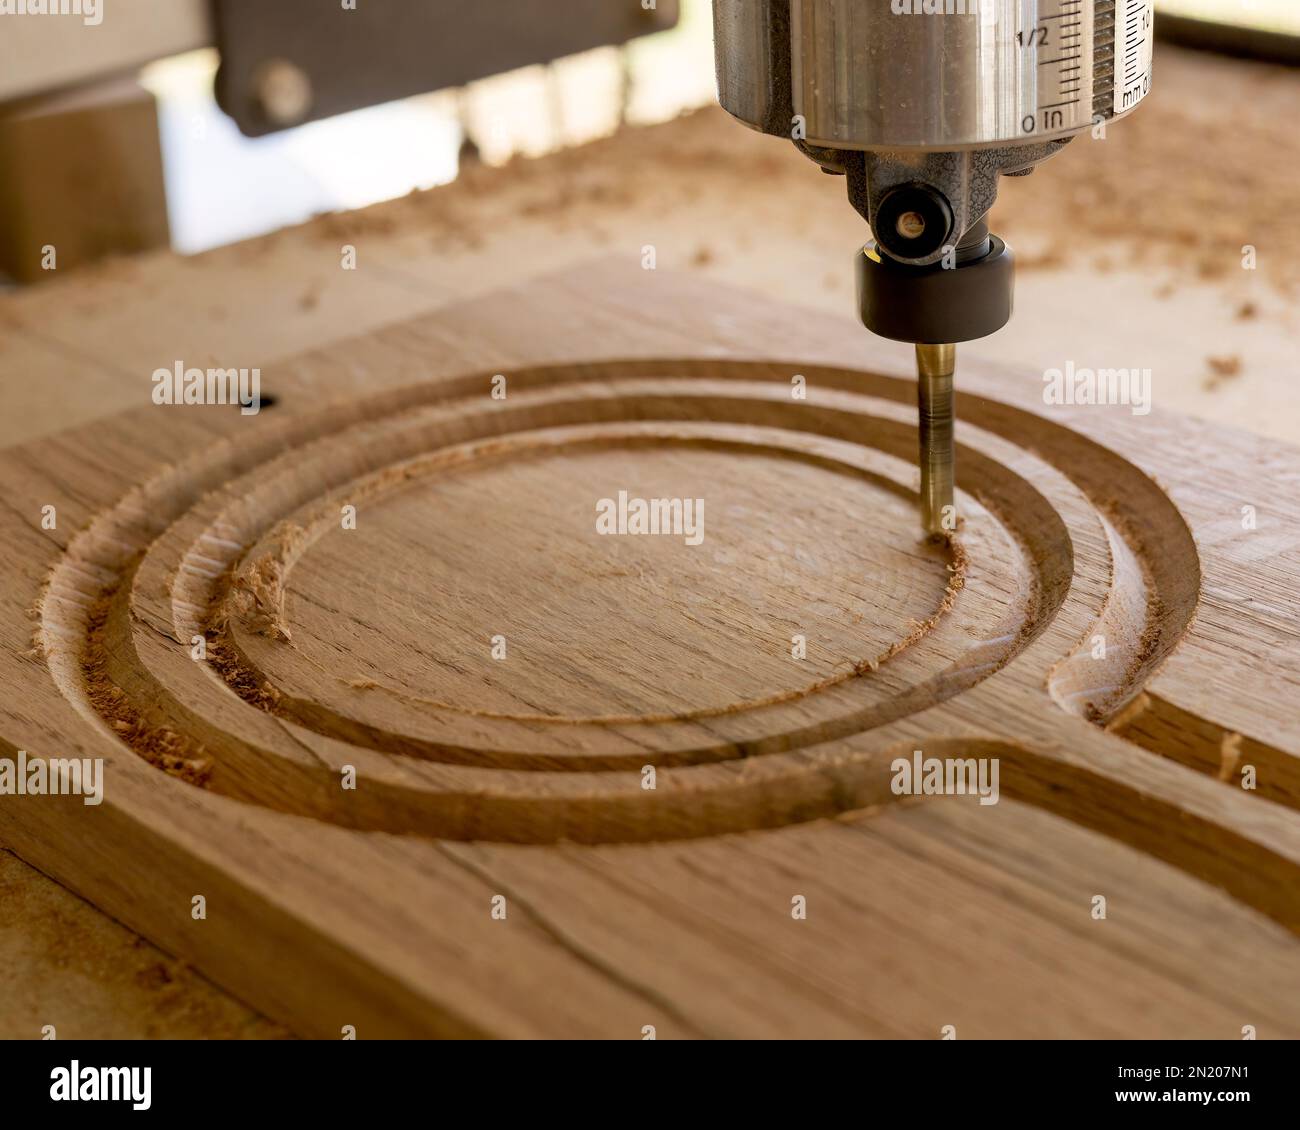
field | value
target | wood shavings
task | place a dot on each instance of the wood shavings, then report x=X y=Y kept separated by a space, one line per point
x=1222 y=369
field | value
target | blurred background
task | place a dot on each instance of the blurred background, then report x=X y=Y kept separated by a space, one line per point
x=386 y=151
x=221 y=186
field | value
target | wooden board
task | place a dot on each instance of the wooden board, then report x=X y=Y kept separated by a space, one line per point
x=52 y=147
x=522 y=777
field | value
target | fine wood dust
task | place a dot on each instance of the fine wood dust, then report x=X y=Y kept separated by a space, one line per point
x=1229 y=755
x=176 y=754
x=1184 y=182
x=1221 y=369
x=957 y=565
x=257 y=587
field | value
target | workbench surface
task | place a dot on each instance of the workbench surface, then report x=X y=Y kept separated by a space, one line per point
x=1131 y=254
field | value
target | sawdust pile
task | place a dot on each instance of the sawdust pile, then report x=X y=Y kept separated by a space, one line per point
x=175 y=753
x=258 y=586
x=1185 y=181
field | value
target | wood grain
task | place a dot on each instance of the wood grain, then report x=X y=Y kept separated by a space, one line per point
x=104 y=133
x=523 y=777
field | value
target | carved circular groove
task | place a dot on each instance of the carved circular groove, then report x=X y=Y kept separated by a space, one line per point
x=256 y=656
x=605 y=627
x=751 y=606
x=372 y=646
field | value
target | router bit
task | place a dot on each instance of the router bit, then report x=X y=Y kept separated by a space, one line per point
x=934 y=369
x=921 y=105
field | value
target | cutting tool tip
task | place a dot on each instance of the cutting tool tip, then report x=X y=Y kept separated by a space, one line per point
x=935 y=365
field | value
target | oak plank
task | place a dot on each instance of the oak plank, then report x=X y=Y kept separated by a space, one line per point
x=327 y=909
